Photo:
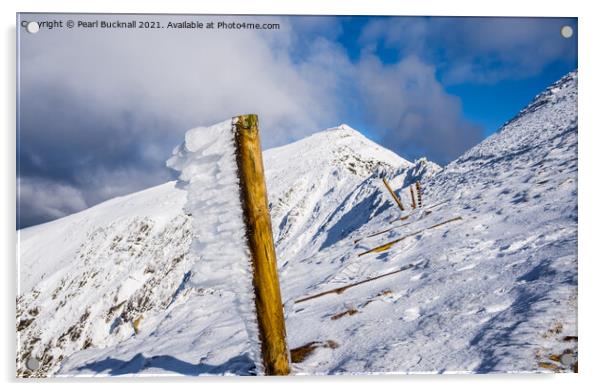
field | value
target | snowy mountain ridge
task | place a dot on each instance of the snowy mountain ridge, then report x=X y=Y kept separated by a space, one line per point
x=492 y=287
x=140 y=242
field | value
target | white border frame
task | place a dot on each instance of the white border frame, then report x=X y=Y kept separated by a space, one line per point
x=590 y=148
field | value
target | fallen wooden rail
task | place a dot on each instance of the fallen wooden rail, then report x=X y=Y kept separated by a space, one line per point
x=386 y=246
x=436 y=205
x=342 y=289
x=381 y=232
x=427 y=210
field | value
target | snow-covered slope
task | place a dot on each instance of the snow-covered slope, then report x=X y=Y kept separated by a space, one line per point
x=117 y=271
x=494 y=291
x=106 y=291
x=327 y=185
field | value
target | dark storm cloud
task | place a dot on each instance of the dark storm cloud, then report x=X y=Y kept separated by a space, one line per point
x=43 y=200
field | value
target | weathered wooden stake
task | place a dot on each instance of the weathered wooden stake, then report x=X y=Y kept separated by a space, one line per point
x=413 y=198
x=253 y=194
x=397 y=200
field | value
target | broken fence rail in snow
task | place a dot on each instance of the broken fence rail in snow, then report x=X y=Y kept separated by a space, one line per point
x=342 y=289
x=380 y=232
x=386 y=246
x=427 y=210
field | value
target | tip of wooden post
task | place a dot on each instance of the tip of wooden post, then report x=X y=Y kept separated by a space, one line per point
x=247 y=120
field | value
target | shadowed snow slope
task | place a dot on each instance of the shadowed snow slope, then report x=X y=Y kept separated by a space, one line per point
x=106 y=291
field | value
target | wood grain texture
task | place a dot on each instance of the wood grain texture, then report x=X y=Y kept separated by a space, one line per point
x=253 y=193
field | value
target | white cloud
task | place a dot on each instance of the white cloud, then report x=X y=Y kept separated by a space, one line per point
x=412 y=110
x=182 y=77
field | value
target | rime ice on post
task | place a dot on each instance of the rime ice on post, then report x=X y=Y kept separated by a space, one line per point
x=221 y=167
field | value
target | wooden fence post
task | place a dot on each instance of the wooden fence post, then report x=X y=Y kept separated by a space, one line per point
x=253 y=193
x=413 y=198
x=397 y=200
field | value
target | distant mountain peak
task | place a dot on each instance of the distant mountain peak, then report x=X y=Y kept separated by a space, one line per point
x=340 y=146
x=342 y=127
x=342 y=130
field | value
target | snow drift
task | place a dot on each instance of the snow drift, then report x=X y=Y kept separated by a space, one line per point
x=208 y=172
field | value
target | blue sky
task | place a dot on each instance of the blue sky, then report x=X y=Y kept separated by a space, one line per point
x=511 y=96
x=511 y=93
x=101 y=110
